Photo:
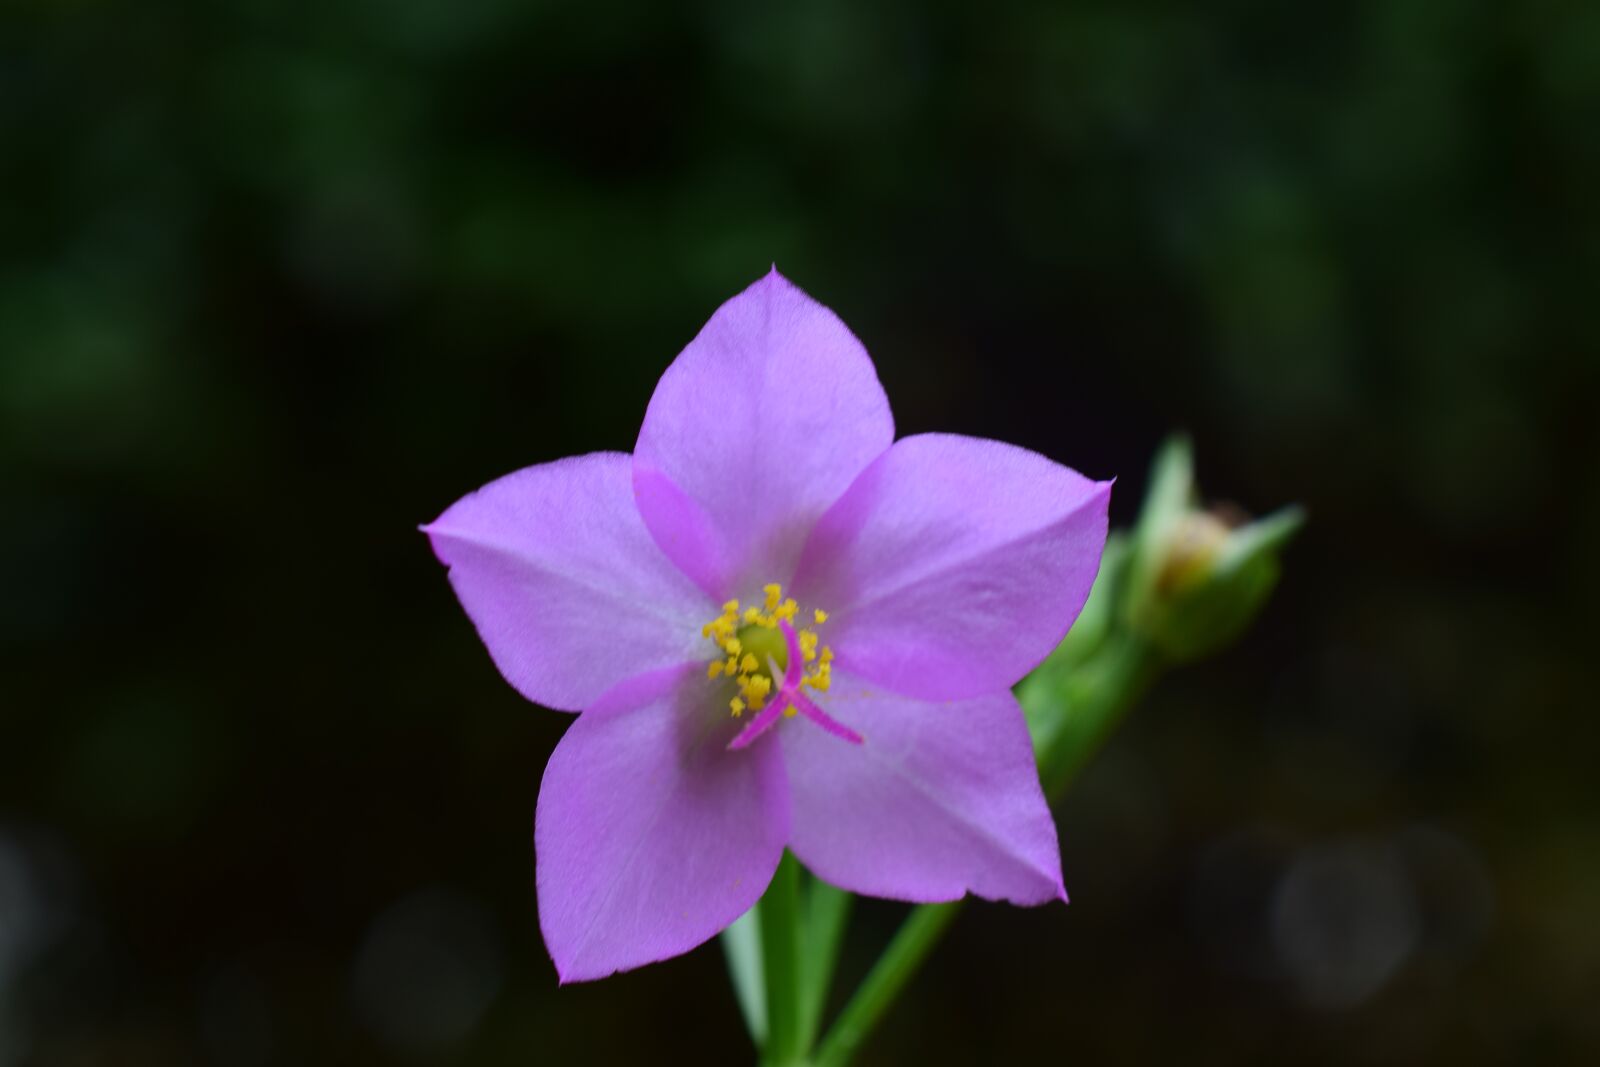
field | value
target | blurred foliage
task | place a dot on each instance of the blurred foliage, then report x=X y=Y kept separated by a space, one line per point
x=280 y=281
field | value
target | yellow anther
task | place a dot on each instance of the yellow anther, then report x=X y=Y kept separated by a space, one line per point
x=790 y=712
x=821 y=679
x=744 y=665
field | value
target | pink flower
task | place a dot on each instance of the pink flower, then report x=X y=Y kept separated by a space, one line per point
x=782 y=628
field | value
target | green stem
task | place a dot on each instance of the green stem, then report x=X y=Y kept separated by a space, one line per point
x=1096 y=702
x=1095 y=699
x=912 y=943
x=741 y=944
x=827 y=913
x=780 y=957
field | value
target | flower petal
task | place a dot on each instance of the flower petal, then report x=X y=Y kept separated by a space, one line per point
x=939 y=799
x=651 y=837
x=566 y=587
x=758 y=425
x=954 y=565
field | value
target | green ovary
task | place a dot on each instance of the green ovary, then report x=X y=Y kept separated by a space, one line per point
x=765 y=643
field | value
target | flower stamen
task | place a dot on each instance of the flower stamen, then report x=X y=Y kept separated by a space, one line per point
x=793 y=660
x=791 y=700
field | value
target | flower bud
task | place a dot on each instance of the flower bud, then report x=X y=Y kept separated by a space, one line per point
x=1198 y=577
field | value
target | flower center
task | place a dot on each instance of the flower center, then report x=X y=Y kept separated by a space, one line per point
x=771 y=664
x=754 y=642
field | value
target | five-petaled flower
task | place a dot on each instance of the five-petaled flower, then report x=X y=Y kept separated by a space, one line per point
x=782 y=628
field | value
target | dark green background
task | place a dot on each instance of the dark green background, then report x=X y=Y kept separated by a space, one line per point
x=278 y=282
